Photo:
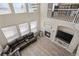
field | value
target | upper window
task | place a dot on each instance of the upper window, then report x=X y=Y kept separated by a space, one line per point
x=33 y=7
x=10 y=33
x=19 y=7
x=4 y=8
x=24 y=29
x=33 y=26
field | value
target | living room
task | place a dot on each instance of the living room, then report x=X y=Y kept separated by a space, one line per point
x=39 y=29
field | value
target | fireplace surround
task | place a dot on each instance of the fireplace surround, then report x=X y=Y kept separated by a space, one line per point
x=70 y=30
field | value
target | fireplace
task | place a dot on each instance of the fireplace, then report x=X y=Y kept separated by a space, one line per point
x=66 y=37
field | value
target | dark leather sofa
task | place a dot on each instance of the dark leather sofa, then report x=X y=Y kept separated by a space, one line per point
x=19 y=44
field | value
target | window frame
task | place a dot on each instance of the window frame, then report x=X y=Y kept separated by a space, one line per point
x=25 y=25
x=34 y=28
x=14 y=36
x=8 y=11
x=20 y=11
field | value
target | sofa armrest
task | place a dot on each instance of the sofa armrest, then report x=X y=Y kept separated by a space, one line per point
x=6 y=49
x=14 y=51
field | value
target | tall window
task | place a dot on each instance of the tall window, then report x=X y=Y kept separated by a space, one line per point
x=24 y=29
x=4 y=8
x=19 y=7
x=10 y=33
x=33 y=26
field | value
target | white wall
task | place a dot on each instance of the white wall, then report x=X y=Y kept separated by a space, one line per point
x=54 y=23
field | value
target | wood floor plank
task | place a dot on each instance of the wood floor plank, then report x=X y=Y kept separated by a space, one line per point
x=44 y=47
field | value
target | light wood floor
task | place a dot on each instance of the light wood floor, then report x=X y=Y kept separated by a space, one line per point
x=44 y=47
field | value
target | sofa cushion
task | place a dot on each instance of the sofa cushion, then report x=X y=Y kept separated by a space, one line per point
x=30 y=35
x=17 y=42
x=12 y=43
x=24 y=36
